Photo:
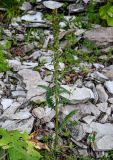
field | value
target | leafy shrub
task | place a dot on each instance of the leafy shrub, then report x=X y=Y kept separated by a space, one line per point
x=3 y=63
x=12 y=7
x=17 y=146
x=106 y=13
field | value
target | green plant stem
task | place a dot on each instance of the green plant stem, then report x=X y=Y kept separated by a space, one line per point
x=55 y=24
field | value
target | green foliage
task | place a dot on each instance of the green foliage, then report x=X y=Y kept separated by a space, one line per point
x=33 y=34
x=3 y=63
x=106 y=13
x=12 y=7
x=17 y=145
x=92 y=13
x=67 y=119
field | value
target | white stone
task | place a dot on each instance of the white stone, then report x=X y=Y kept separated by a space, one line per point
x=102 y=129
x=102 y=106
x=6 y=103
x=89 y=119
x=44 y=113
x=26 y=6
x=77 y=95
x=31 y=78
x=110 y=100
x=22 y=126
x=99 y=76
x=21 y=115
x=103 y=97
x=105 y=143
x=98 y=66
x=109 y=86
x=33 y=18
x=52 y=4
x=15 y=64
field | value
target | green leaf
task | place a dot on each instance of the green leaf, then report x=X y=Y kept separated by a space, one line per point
x=110 y=12
x=110 y=21
x=103 y=11
x=17 y=145
x=67 y=118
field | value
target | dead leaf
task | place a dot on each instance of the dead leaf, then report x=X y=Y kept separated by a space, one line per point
x=33 y=138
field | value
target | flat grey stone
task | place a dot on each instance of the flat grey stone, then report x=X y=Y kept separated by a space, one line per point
x=44 y=113
x=103 y=97
x=102 y=37
x=102 y=106
x=110 y=100
x=99 y=76
x=89 y=119
x=102 y=129
x=77 y=95
x=109 y=72
x=16 y=94
x=109 y=86
x=22 y=126
x=105 y=143
x=37 y=17
x=52 y=4
x=26 y=6
x=6 y=103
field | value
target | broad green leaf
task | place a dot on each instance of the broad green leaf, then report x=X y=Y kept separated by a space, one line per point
x=18 y=145
x=110 y=21
x=110 y=12
x=103 y=11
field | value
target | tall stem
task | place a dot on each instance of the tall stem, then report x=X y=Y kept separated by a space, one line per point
x=55 y=24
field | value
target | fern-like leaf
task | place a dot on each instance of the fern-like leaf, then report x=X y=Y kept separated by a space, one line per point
x=67 y=118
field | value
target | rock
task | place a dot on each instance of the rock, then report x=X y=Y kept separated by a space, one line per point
x=105 y=143
x=89 y=119
x=37 y=17
x=31 y=78
x=78 y=133
x=93 y=88
x=26 y=6
x=28 y=65
x=6 y=103
x=102 y=106
x=11 y=110
x=77 y=95
x=35 y=55
x=1 y=75
x=45 y=59
x=29 y=47
x=52 y=4
x=110 y=100
x=19 y=37
x=102 y=37
x=109 y=86
x=44 y=113
x=88 y=108
x=20 y=115
x=86 y=1
x=76 y=8
x=98 y=66
x=33 y=81
x=109 y=72
x=104 y=119
x=15 y=64
x=103 y=97
x=16 y=94
x=22 y=126
x=50 y=125
x=102 y=129
x=82 y=110
x=99 y=76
